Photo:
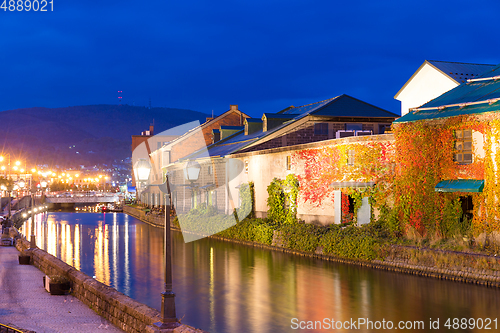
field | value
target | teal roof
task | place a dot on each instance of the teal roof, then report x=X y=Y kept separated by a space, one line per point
x=460 y=185
x=479 y=95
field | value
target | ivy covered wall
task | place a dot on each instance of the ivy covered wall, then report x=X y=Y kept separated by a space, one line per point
x=406 y=171
x=355 y=159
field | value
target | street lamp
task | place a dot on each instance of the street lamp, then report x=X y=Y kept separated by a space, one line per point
x=21 y=184
x=2 y=158
x=191 y=173
x=168 y=316
x=142 y=168
x=32 y=238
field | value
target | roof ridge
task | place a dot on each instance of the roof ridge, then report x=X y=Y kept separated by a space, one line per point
x=328 y=99
x=462 y=63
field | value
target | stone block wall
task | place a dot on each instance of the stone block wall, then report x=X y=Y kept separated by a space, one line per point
x=157 y=220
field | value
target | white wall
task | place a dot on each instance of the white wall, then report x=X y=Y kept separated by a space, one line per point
x=426 y=85
x=262 y=169
x=478 y=144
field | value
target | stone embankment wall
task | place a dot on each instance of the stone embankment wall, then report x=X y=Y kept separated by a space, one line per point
x=124 y=312
x=450 y=265
x=156 y=220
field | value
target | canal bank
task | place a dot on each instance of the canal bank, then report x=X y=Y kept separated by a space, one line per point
x=119 y=309
x=27 y=306
x=465 y=267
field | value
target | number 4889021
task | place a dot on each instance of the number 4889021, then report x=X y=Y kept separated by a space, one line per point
x=27 y=5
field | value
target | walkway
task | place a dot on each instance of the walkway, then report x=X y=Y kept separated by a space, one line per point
x=25 y=304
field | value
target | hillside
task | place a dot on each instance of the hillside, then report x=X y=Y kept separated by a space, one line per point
x=87 y=135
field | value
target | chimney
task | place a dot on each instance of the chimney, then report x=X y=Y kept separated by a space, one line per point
x=233 y=107
x=209 y=118
x=151 y=129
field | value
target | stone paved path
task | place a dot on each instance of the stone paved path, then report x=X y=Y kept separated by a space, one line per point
x=25 y=304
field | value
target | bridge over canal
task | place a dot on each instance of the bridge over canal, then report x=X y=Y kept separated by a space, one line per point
x=82 y=198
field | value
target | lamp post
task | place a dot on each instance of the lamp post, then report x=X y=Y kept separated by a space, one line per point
x=169 y=320
x=191 y=173
x=20 y=185
x=2 y=158
x=43 y=184
x=168 y=315
x=142 y=168
x=32 y=238
x=8 y=187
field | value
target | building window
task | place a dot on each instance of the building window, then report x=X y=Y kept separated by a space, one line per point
x=382 y=128
x=353 y=127
x=246 y=166
x=350 y=157
x=210 y=168
x=212 y=198
x=463 y=146
x=166 y=158
x=321 y=129
x=289 y=162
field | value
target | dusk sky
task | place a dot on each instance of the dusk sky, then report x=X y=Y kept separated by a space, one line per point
x=262 y=55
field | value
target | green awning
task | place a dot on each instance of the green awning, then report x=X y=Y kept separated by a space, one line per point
x=460 y=185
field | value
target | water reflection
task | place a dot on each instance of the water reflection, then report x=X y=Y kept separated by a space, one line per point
x=225 y=287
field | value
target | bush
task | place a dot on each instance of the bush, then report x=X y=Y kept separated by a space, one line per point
x=253 y=230
x=300 y=236
x=350 y=242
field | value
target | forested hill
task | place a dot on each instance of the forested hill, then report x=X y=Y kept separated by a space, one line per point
x=99 y=133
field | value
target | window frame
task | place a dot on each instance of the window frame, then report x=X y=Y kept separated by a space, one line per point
x=321 y=128
x=459 y=150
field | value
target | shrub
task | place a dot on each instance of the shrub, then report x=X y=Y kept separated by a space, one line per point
x=350 y=242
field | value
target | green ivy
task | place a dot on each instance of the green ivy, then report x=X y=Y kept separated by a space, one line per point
x=300 y=236
x=247 y=196
x=278 y=193
x=350 y=242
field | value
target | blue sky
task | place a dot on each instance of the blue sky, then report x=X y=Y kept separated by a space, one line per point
x=262 y=55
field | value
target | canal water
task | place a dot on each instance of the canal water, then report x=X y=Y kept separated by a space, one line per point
x=226 y=287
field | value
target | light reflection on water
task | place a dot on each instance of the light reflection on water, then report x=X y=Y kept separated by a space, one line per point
x=226 y=287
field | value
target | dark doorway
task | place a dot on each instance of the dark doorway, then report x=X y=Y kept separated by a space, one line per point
x=351 y=205
x=467 y=207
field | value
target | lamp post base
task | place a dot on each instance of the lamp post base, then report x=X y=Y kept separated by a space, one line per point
x=166 y=326
x=32 y=242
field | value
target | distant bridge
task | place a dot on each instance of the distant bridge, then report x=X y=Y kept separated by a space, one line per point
x=90 y=199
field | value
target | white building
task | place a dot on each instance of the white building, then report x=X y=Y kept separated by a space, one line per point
x=434 y=78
